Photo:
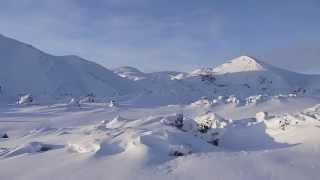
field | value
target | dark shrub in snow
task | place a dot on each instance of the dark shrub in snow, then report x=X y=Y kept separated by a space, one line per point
x=5 y=136
x=207 y=77
x=203 y=128
x=284 y=123
x=179 y=121
x=177 y=153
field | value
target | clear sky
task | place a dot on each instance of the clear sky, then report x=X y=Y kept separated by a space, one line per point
x=170 y=34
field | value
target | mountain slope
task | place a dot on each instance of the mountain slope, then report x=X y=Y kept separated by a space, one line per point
x=25 y=69
x=245 y=76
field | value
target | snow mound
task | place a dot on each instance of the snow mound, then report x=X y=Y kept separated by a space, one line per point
x=84 y=146
x=293 y=120
x=32 y=148
x=202 y=102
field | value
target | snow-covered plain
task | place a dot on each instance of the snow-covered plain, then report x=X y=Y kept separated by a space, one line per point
x=95 y=141
x=62 y=117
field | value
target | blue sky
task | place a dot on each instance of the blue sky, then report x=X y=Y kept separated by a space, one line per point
x=170 y=34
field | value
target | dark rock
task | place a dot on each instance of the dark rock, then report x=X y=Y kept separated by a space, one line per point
x=5 y=136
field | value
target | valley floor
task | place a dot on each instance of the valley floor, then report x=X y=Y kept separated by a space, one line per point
x=100 y=142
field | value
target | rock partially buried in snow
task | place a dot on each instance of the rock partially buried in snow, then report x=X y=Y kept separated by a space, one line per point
x=256 y=99
x=113 y=103
x=74 y=103
x=262 y=116
x=211 y=120
x=88 y=99
x=179 y=150
x=208 y=126
x=25 y=99
x=233 y=100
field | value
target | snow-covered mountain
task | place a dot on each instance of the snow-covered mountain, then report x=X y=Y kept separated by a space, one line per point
x=245 y=75
x=256 y=137
x=25 y=69
x=130 y=73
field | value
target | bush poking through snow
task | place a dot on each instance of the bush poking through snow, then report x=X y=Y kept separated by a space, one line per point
x=179 y=121
x=176 y=120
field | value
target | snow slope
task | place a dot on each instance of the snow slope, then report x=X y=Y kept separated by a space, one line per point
x=245 y=76
x=241 y=77
x=25 y=69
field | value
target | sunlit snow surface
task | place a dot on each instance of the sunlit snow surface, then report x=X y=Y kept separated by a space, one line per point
x=95 y=141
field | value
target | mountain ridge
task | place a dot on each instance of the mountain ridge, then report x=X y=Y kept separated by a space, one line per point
x=25 y=69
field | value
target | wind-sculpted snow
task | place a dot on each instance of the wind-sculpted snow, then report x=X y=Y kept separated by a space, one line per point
x=98 y=141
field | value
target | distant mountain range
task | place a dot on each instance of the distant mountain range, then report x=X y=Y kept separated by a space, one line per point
x=25 y=69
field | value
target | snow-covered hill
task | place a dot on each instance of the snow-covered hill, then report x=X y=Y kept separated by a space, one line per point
x=241 y=77
x=25 y=69
x=244 y=76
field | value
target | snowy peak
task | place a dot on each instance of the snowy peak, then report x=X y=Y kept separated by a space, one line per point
x=130 y=73
x=240 y=64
